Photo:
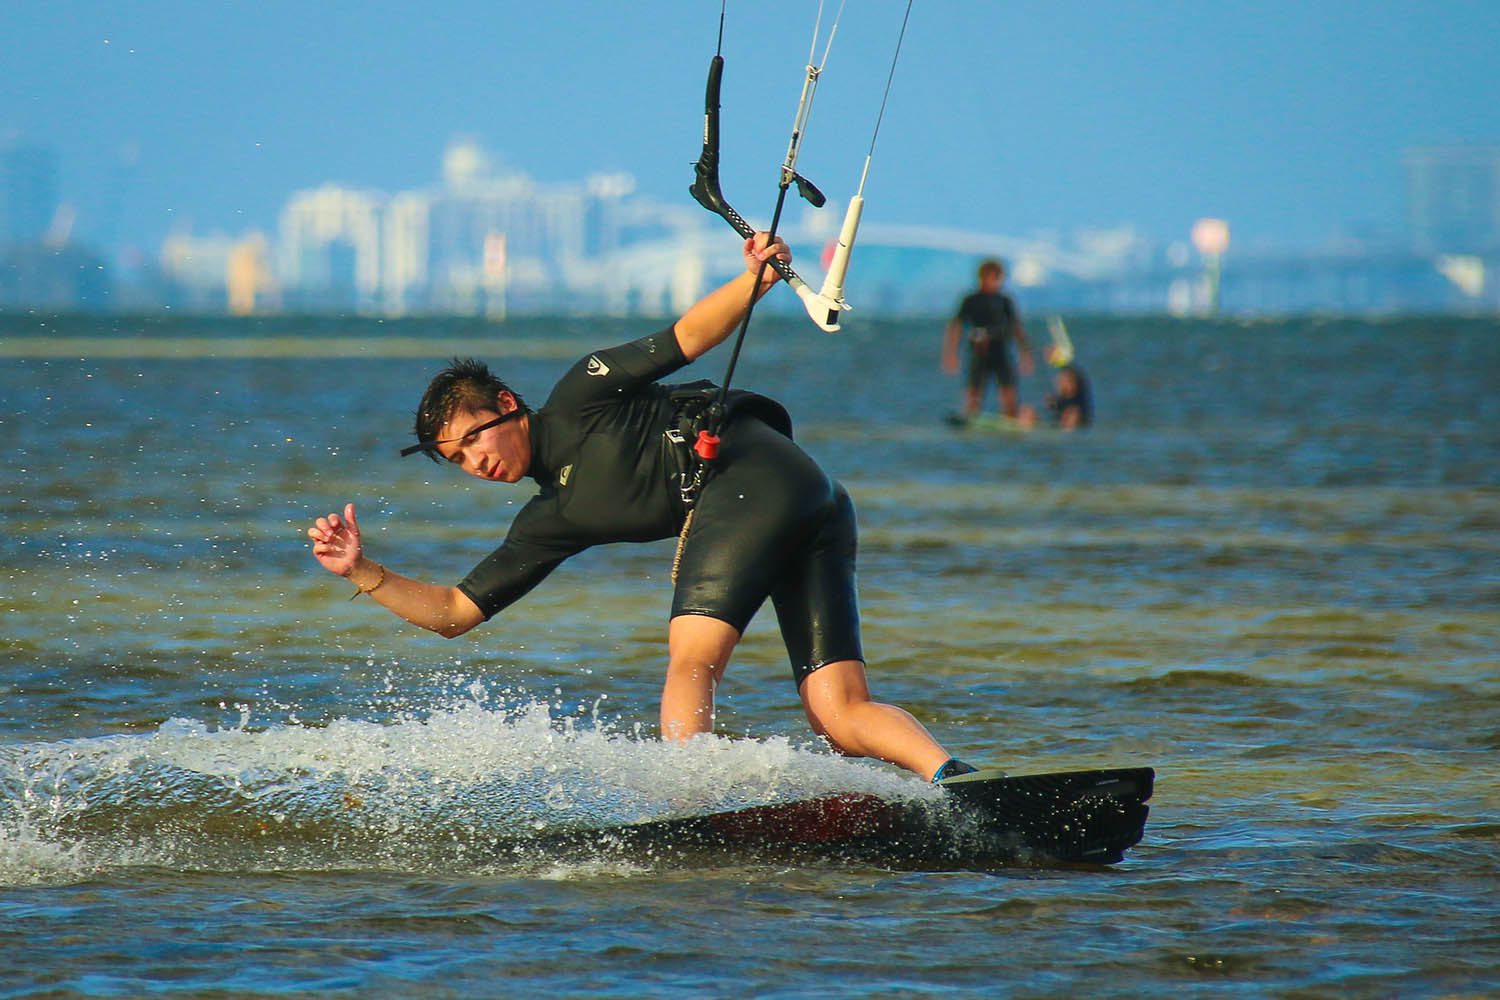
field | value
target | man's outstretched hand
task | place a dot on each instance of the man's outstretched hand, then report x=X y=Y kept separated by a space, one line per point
x=335 y=541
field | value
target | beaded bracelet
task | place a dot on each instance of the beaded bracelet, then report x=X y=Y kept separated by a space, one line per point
x=371 y=590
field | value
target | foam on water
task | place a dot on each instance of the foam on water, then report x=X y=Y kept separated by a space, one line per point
x=428 y=791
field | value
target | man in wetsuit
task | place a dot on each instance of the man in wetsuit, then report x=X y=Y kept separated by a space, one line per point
x=994 y=330
x=605 y=450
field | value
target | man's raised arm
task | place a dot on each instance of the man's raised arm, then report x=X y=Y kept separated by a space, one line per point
x=710 y=321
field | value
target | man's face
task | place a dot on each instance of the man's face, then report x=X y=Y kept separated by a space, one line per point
x=499 y=454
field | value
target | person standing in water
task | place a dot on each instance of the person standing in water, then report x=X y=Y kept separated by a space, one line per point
x=997 y=344
x=610 y=450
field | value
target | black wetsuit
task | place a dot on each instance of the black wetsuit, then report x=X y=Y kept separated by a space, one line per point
x=1081 y=399
x=991 y=321
x=768 y=521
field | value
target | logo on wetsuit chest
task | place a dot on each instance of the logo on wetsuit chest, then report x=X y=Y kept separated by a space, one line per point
x=597 y=367
x=563 y=474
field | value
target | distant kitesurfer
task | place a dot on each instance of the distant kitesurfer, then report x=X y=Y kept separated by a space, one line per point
x=995 y=332
x=611 y=451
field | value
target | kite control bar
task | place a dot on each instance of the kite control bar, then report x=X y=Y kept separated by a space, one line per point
x=823 y=309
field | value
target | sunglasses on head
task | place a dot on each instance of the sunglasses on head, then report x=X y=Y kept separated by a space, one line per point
x=429 y=446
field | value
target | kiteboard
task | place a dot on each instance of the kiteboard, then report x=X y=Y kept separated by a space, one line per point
x=986 y=819
x=994 y=423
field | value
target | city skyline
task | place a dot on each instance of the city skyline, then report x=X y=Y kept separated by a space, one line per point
x=1289 y=122
x=488 y=238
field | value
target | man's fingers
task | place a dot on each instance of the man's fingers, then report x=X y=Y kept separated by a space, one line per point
x=331 y=524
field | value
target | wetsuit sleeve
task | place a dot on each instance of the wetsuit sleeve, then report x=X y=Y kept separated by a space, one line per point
x=540 y=538
x=528 y=556
x=606 y=375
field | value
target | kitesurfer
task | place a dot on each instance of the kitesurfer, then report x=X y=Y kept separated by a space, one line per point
x=995 y=331
x=610 y=451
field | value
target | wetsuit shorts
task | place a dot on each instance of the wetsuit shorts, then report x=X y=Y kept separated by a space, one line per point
x=987 y=356
x=771 y=523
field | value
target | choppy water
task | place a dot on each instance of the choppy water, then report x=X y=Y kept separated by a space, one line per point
x=1272 y=571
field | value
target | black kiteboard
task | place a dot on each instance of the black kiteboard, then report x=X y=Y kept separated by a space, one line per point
x=985 y=819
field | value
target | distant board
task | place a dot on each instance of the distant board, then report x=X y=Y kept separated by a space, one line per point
x=993 y=423
x=987 y=819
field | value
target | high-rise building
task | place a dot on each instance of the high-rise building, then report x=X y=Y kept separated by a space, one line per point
x=330 y=249
x=404 y=277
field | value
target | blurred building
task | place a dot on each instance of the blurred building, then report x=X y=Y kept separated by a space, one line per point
x=53 y=279
x=329 y=250
x=218 y=273
x=29 y=196
x=40 y=268
x=251 y=285
x=1453 y=199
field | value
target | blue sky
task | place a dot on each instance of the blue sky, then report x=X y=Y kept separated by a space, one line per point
x=1286 y=117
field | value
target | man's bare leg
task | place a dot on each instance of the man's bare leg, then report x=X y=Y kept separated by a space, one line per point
x=1010 y=401
x=973 y=398
x=837 y=700
x=698 y=650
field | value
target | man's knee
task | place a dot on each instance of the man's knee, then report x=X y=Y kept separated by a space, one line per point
x=695 y=641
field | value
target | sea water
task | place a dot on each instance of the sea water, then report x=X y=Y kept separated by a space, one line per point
x=1271 y=571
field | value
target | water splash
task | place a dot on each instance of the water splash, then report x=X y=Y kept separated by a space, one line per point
x=426 y=792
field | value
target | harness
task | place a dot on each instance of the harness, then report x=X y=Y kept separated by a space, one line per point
x=696 y=409
x=691 y=402
x=693 y=411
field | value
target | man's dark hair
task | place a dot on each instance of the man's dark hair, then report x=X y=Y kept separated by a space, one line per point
x=466 y=384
